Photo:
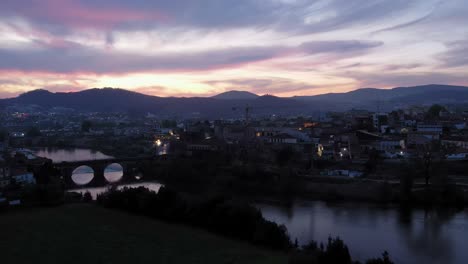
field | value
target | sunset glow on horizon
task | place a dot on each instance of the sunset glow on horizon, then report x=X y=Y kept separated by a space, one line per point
x=202 y=48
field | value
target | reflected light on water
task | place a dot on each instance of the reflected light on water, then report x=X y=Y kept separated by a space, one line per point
x=153 y=186
x=113 y=172
x=83 y=175
x=414 y=236
x=60 y=155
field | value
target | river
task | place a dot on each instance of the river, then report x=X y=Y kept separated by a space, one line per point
x=414 y=236
x=84 y=174
x=71 y=154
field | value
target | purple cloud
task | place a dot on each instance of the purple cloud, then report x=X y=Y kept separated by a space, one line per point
x=72 y=57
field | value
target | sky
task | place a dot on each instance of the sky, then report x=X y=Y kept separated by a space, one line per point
x=205 y=47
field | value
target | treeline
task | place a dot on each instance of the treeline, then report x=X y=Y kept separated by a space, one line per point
x=225 y=216
x=334 y=252
x=219 y=214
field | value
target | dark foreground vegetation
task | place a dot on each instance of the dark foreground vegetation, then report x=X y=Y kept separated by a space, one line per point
x=218 y=214
x=227 y=217
x=88 y=234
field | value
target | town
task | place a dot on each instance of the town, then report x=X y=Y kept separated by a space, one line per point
x=363 y=146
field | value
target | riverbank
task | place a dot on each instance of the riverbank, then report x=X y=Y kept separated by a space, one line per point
x=81 y=233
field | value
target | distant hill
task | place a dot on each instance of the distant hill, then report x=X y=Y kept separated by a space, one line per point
x=230 y=95
x=388 y=99
x=231 y=104
x=120 y=100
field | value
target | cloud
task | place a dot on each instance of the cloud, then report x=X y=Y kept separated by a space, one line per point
x=300 y=16
x=338 y=47
x=13 y=83
x=86 y=60
x=387 y=80
x=59 y=13
x=455 y=56
x=398 y=67
x=72 y=57
x=262 y=85
x=164 y=91
x=243 y=40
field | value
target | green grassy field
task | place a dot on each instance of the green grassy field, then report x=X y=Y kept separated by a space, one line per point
x=89 y=234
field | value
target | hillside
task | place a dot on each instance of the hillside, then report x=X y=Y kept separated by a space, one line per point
x=232 y=95
x=388 y=99
x=89 y=234
x=119 y=100
x=230 y=104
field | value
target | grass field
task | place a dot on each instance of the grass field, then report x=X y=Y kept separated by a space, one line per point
x=89 y=234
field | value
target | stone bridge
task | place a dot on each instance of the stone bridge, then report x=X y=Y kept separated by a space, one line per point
x=131 y=168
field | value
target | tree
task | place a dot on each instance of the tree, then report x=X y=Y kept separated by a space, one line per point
x=168 y=123
x=427 y=158
x=384 y=260
x=46 y=173
x=284 y=156
x=33 y=132
x=336 y=252
x=86 y=126
x=406 y=182
x=49 y=188
x=371 y=164
x=435 y=110
x=87 y=198
x=3 y=134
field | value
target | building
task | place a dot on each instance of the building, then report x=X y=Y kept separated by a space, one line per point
x=455 y=142
x=379 y=119
x=416 y=139
x=24 y=178
x=390 y=145
x=283 y=138
x=431 y=128
x=4 y=173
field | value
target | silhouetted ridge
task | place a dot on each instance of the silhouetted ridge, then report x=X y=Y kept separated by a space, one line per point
x=231 y=95
x=120 y=100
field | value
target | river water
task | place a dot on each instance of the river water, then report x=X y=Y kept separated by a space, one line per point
x=414 y=236
x=72 y=154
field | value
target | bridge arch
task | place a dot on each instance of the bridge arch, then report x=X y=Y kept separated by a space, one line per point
x=113 y=172
x=132 y=169
x=82 y=175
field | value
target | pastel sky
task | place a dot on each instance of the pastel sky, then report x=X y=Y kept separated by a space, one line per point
x=204 y=47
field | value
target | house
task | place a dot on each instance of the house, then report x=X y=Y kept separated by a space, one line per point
x=390 y=144
x=22 y=176
x=455 y=142
x=235 y=133
x=283 y=138
x=458 y=156
x=379 y=119
x=431 y=128
x=422 y=138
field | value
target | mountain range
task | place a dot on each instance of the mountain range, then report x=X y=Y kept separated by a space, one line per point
x=232 y=104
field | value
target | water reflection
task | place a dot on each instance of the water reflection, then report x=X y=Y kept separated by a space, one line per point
x=83 y=175
x=72 y=154
x=153 y=186
x=429 y=238
x=414 y=236
x=113 y=172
